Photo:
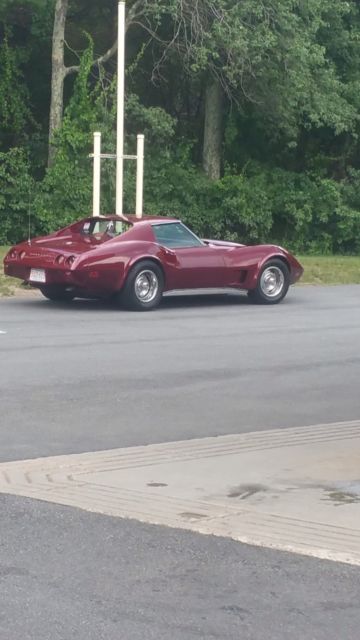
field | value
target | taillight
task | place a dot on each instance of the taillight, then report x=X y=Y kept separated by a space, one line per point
x=59 y=259
x=22 y=255
x=70 y=260
x=12 y=254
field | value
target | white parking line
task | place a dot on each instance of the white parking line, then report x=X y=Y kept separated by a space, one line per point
x=3 y=332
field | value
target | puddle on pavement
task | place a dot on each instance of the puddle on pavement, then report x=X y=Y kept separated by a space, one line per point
x=341 y=494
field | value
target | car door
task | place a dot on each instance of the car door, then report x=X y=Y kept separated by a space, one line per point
x=192 y=264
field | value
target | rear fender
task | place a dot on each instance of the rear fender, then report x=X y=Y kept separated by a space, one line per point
x=144 y=258
x=153 y=254
x=117 y=259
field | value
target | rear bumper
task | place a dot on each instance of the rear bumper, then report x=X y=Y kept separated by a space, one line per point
x=90 y=281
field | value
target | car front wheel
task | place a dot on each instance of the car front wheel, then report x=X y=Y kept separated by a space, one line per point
x=144 y=287
x=273 y=283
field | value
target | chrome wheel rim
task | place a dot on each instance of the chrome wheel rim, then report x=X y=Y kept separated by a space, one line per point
x=146 y=286
x=272 y=282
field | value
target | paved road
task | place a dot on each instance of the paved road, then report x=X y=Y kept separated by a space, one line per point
x=85 y=377
x=70 y=575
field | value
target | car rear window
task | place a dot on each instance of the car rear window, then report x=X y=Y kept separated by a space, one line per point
x=112 y=227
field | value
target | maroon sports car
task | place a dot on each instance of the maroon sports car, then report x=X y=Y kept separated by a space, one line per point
x=137 y=260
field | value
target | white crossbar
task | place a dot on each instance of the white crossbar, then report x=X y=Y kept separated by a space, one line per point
x=119 y=155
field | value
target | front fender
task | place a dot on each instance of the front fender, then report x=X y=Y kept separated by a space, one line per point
x=277 y=253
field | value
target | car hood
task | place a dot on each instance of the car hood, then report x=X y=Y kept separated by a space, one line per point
x=222 y=243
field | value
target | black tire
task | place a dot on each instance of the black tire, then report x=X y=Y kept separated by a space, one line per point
x=273 y=283
x=144 y=287
x=56 y=293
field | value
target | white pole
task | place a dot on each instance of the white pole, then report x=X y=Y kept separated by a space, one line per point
x=120 y=109
x=97 y=173
x=139 y=175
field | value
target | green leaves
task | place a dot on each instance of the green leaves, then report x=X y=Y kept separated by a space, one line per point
x=15 y=113
x=290 y=153
x=17 y=192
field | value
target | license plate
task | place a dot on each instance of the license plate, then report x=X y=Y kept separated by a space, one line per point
x=37 y=275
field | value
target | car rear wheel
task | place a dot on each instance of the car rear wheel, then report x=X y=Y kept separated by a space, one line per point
x=273 y=283
x=144 y=287
x=57 y=293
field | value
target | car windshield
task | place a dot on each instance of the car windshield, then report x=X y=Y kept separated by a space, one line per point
x=100 y=226
x=175 y=235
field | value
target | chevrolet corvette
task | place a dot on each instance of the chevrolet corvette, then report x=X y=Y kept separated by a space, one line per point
x=135 y=260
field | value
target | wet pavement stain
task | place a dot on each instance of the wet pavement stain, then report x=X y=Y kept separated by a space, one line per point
x=339 y=494
x=192 y=516
x=236 y=610
x=244 y=491
x=156 y=484
x=340 y=498
x=9 y=571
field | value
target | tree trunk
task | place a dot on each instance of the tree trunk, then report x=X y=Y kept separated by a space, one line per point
x=213 y=129
x=57 y=73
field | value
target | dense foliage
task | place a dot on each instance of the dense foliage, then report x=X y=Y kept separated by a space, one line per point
x=288 y=75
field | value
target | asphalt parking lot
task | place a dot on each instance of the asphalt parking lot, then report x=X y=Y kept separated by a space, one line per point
x=86 y=377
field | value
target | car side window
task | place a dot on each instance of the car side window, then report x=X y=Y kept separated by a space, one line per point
x=175 y=235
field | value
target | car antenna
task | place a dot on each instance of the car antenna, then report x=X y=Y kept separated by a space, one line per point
x=29 y=218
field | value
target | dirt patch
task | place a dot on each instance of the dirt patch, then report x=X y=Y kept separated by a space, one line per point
x=19 y=292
